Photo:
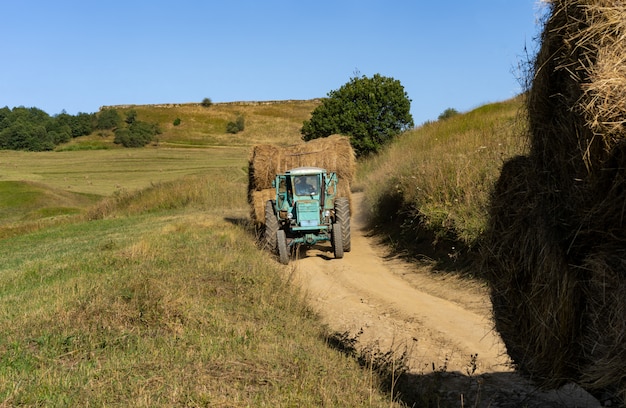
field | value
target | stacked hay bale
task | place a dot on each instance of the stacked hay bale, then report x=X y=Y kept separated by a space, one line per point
x=555 y=248
x=333 y=153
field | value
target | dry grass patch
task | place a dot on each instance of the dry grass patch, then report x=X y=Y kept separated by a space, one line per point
x=265 y=122
x=434 y=182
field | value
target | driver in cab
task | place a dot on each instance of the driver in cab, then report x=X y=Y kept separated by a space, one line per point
x=306 y=185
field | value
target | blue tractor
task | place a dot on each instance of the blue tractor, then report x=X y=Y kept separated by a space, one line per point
x=307 y=211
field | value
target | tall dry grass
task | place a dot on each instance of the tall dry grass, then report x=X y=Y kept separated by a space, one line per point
x=434 y=182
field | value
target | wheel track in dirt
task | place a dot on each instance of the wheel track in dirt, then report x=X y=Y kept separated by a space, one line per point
x=440 y=322
x=364 y=292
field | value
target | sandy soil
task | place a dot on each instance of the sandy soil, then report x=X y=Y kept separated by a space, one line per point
x=442 y=322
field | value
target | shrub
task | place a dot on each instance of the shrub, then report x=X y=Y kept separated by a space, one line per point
x=448 y=113
x=176 y=122
x=138 y=134
x=236 y=126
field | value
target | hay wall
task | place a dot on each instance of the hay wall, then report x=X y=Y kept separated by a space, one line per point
x=333 y=153
x=555 y=247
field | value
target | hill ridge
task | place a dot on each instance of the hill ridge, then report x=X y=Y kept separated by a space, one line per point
x=197 y=104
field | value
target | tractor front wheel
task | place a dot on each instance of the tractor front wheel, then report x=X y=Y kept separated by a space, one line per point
x=283 y=250
x=337 y=240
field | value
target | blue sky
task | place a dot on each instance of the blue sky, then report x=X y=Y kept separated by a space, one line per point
x=79 y=55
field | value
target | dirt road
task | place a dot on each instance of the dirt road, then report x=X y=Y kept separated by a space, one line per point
x=442 y=322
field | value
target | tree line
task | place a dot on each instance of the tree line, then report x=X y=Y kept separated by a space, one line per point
x=32 y=129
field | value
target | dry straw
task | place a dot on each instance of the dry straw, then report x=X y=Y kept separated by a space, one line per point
x=555 y=249
x=333 y=153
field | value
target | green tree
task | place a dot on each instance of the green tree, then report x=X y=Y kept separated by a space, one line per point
x=372 y=111
x=131 y=117
x=82 y=124
x=108 y=119
x=206 y=102
x=448 y=113
x=138 y=134
x=24 y=135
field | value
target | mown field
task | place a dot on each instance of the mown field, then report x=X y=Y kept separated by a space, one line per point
x=132 y=277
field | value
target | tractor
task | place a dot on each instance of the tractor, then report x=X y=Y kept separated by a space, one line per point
x=307 y=211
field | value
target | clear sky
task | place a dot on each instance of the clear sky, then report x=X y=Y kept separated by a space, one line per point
x=79 y=55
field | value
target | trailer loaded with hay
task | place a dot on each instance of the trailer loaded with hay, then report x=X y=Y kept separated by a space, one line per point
x=555 y=249
x=300 y=195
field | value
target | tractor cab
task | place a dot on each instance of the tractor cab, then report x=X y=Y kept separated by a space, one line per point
x=304 y=198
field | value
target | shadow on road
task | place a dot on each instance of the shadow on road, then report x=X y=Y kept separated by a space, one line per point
x=442 y=388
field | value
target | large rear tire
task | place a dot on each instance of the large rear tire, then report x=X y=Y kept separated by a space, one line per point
x=271 y=226
x=337 y=241
x=283 y=250
x=342 y=215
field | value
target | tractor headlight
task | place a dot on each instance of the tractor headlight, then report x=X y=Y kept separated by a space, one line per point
x=289 y=216
x=327 y=213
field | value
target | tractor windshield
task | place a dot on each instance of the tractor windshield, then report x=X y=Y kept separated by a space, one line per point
x=306 y=185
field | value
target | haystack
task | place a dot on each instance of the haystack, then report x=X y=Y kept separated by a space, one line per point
x=333 y=153
x=555 y=248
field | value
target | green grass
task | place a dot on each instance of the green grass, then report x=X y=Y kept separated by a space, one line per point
x=157 y=294
x=132 y=277
x=161 y=310
x=432 y=185
x=103 y=172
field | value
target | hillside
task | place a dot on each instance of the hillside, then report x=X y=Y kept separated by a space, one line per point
x=430 y=189
x=273 y=121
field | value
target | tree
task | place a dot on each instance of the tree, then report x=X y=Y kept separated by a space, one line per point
x=372 y=111
x=138 y=134
x=131 y=117
x=82 y=124
x=448 y=113
x=206 y=102
x=24 y=135
x=108 y=119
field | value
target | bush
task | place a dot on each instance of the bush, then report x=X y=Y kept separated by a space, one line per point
x=448 y=113
x=206 y=102
x=236 y=126
x=176 y=122
x=131 y=117
x=138 y=134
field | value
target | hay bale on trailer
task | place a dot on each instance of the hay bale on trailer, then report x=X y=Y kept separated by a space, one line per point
x=555 y=247
x=333 y=153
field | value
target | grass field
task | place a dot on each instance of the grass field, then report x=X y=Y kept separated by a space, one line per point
x=102 y=172
x=133 y=278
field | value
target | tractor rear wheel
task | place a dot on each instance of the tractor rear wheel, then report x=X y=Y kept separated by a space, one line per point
x=342 y=215
x=337 y=240
x=271 y=226
x=283 y=251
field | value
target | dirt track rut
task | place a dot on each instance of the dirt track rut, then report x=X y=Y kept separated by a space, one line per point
x=441 y=321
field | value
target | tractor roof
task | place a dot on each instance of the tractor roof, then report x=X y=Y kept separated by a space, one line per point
x=304 y=171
